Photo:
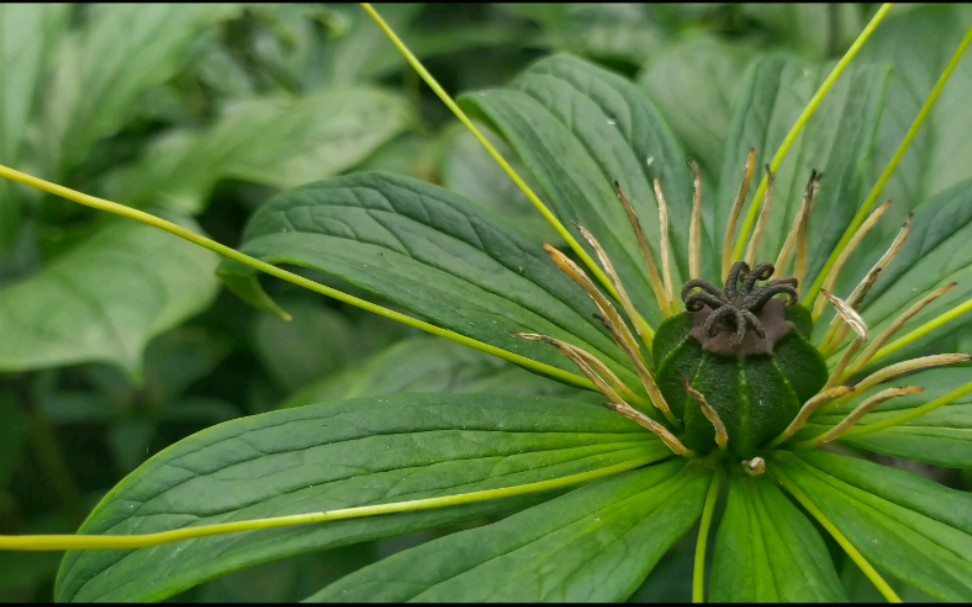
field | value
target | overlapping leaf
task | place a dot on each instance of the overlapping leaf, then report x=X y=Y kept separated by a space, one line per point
x=766 y=551
x=365 y=451
x=906 y=525
x=596 y=543
x=104 y=299
x=431 y=252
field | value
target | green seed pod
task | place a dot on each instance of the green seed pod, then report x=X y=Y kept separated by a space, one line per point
x=747 y=353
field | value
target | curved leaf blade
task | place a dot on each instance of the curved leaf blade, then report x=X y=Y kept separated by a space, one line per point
x=596 y=543
x=909 y=526
x=435 y=254
x=335 y=455
x=104 y=299
x=766 y=551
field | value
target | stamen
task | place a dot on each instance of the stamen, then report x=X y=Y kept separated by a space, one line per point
x=854 y=242
x=807 y=410
x=894 y=327
x=838 y=372
x=754 y=467
x=837 y=331
x=764 y=212
x=642 y=328
x=654 y=278
x=721 y=434
x=617 y=404
x=617 y=327
x=695 y=229
x=909 y=366
x=855 y=416
x=666 y=245
x=848 y=314
x=797 y=238
x=737 y=205
x=594 y=363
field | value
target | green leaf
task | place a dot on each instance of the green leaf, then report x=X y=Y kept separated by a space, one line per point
x=433 y=253
x=577 y=128
x=329 y=456
x=28 y=34
x=280 y=142
x=935 y=254
x=836 y=141
x=694 y=82
x=430 y=364
x=596 y=543
x=105 y=69
x=817 y=29
x=907 y=525
x=104 y=299
x=766 y=551
x=935 y=160
x=942 y=437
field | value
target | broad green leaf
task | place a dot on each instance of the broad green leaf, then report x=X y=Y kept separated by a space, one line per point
x=934 y=161
x=942 y=437
x=103 y=71
x=28 y=34
x=694 y=82
x=820 y=30
x=329 y=456
x=836 y=141
x=577 y=128
x=437 y=255
x=104 y=299
x=13 y=437
x=936 y=253
x=596 y=543
x=278 y=142
x=766 y=551
x=431 y=364
x=906 y=525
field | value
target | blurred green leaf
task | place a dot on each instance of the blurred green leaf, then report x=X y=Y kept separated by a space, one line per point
x=335 y=455
x=104 y=299
x=574 y=548
x=279 y=142
x=436 y=254
x=906 y=525
x=766 y=551
x=103 y=69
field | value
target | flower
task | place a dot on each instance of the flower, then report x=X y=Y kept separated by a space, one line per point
x=593 y=500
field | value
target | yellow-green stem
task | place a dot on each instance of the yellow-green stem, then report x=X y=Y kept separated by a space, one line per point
x=889 y=169
x=127 y=542
x=147 y=218
x=708 y=510
x=801 y=122
x=494 y=153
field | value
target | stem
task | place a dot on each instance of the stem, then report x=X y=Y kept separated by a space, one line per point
x=147 y=218
x=891 y=167
x=865 y=566
x=802 y=120
x=123 y=542
x=708 y=510
x=494 y=153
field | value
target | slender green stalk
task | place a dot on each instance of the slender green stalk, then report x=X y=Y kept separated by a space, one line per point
x=915 y=413
x=890 y=168
x=147 y=218
x=939 y=321
x=35 y=543
x=865 y=566
x=494 y=153
x=801 y=122
x=708 y=510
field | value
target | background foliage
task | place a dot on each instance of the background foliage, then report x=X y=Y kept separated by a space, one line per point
x=116 y=340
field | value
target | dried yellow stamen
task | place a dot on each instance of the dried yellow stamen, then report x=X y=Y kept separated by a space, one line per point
x=666 y=245
x=807 y=410
x=797 y=238
x=721 y=434
x=574 y=354
x=753 y=248
x=654 y=278
x=695 y=229
x=852 y=245
x=907 y=366
x=737 y=205
x=855 y=416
